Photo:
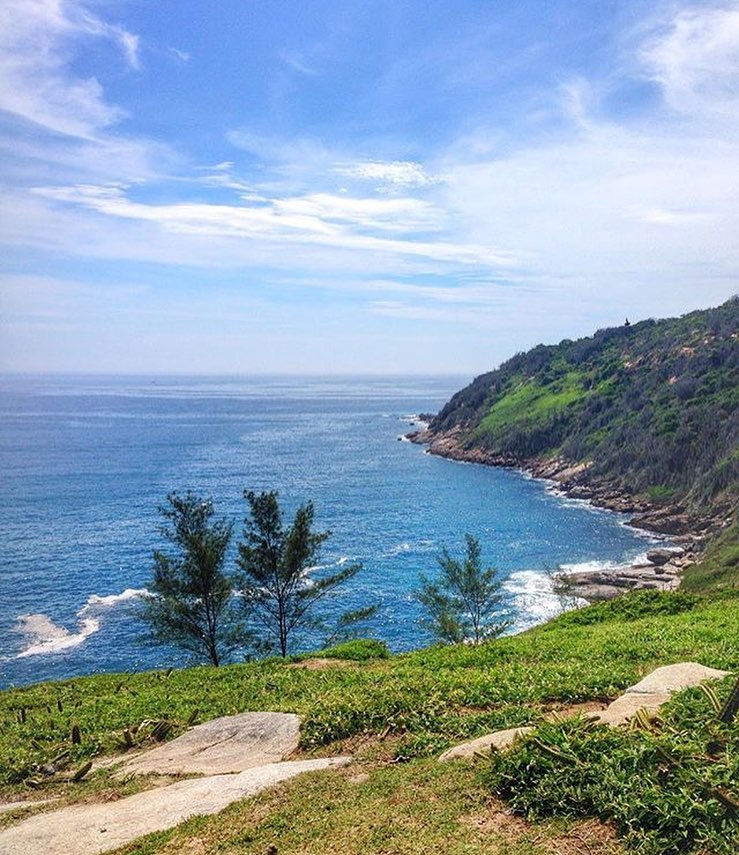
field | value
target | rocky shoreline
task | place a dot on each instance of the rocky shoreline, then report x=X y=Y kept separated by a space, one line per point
x=663 y=568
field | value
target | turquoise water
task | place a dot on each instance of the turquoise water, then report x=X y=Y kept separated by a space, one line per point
x=86 y=461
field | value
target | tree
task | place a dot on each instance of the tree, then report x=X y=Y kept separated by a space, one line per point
x=189 y=602
x=464 y=602
x=275 y=561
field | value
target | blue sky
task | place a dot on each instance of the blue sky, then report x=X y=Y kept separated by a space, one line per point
x=247 y=186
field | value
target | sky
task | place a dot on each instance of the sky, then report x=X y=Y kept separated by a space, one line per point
x=331 y=186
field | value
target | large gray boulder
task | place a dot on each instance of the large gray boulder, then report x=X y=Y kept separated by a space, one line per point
x=96 y=828
x=221 y=746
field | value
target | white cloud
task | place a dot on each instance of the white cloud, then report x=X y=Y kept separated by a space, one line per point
x=37 y=40
x=319 y=220
x=397 y=173
x=695 y=60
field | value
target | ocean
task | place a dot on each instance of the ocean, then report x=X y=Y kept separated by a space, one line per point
x=87 y=460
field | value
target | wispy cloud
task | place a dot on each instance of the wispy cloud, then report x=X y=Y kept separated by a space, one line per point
x=401 y=174
x=694 y=57
x=319 y=220
x=37 y=42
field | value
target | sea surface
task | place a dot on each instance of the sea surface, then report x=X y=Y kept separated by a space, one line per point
x=85 y=462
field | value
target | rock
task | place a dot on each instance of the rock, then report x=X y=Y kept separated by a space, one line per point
x=501 y=740
x=665 y=522
x=95 y=828
x=607 y=584
x=661 y=556
x=656 y=688
x=223 y=745
x=649 y=694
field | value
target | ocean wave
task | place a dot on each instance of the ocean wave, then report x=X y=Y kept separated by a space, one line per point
x=406 y=547
x=596 y=566
x=44 y=637
x=534 y=599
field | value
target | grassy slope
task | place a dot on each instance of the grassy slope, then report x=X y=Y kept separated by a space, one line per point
x=718 y=569
x=420 y=702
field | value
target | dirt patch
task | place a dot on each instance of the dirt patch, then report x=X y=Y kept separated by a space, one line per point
x=319 y=664
x=589 y=837
x=572 y=710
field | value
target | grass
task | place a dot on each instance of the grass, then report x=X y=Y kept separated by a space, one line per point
x=397 y=810
x=668 y=785
x=413 y=705
x=531 y=402
x=719 y=567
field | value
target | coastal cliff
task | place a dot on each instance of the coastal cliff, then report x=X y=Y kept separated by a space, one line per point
x=642 y=419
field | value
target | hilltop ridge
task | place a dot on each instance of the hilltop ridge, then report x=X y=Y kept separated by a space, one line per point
x=642 y=418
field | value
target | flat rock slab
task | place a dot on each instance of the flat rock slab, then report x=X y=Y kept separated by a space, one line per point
x=91 y=829
x=649 y=694
x=501 y=740
x=222 y=746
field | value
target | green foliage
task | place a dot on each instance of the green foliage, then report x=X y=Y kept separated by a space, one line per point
x=718 y=569
x=433 y=696
x=668 y=787
x=630 y=606
x=463 y=602
x=189 y=600
x=654 y=405
x=275 y=561
x=532 y=403
x=356 y=650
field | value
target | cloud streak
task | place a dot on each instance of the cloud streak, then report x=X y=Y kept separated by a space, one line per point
x=37 y=43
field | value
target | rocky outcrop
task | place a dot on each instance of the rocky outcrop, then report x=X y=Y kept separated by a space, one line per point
x=648 y=694
x=576 y=481
x=223 y=745
x=499 y=741
x=661 y=572
x=96 y=828
x=237 y=756
x=655 y=689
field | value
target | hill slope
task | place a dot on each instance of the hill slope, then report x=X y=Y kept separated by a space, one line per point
x=636 y=417
x=395 y=715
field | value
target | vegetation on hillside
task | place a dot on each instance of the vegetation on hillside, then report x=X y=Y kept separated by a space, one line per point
x=667 y=784
x=653 y=405
x=718 y=569
x=414 y=705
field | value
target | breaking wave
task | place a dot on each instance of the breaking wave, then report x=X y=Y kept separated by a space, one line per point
x=534 y=599
x=44 y=637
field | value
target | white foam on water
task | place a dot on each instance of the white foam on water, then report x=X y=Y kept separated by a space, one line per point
x=45 y=637
x=534 y=599
x=596 y=566
x=96 y=601
x=407 y=547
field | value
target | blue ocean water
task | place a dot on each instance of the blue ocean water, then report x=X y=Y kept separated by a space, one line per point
x=86 y=461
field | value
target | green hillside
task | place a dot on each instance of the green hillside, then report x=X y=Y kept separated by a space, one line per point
x=395 y=714
x=651 y=407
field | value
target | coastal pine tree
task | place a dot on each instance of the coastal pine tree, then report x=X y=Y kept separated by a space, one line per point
x=278 y=591
x=189 y=602
x=464 y=603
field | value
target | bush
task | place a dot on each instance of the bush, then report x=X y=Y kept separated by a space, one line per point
x=670 y=788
